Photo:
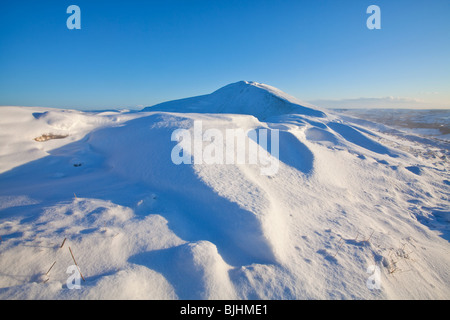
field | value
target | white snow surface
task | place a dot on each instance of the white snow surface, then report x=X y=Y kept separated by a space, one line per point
x=345 y=199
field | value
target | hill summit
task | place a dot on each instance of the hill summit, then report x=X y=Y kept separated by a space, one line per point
x=243 y=97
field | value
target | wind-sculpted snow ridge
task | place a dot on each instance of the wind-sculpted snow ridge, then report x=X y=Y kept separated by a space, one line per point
x=349 y=212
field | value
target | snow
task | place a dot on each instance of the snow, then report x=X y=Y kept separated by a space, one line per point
x=243 y=97
x=21 y=126
x=345 y=198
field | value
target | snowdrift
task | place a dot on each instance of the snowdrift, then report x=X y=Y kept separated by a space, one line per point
x=347 y=204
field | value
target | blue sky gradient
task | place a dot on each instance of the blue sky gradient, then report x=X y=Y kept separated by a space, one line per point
x=134 y=53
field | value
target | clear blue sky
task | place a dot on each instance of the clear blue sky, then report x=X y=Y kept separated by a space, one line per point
x=138 y=53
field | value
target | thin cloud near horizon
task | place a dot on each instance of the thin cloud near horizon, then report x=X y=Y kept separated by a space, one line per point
x=378 y=103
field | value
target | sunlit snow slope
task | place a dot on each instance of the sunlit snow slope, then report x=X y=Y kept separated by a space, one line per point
x=345 y=201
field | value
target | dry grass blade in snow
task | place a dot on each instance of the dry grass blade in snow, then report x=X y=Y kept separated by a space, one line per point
x=50 y=136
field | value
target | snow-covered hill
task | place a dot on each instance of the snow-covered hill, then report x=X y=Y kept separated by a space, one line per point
x=350 y=213
x=243 y=97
